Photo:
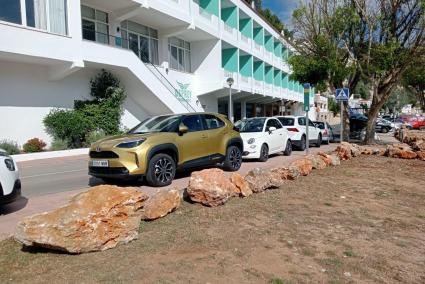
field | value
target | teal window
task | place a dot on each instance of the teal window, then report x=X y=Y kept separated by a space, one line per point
x=245 y=27
x=259 y=70
x=230 y=16
x=245 y=65
x=229 y=59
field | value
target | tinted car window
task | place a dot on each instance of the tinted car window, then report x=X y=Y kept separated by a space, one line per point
x=321 y=125
x=212 y=122
x=286 y=121
x=193 y=122
x=274 y=123
x=166 y=123
x=251 y=125
x=301 y=120
x=311 y=123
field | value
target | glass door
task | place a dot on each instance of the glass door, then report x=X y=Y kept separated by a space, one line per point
x=133 y=41
x=144 y=48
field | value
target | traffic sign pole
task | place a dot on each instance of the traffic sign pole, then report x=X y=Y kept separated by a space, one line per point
x=342 y=122
x=341 y=96
x=306 y=109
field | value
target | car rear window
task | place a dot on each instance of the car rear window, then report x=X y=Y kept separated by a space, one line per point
x=286 y=121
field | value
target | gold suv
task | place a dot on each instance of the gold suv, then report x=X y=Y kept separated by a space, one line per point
x=160 y=145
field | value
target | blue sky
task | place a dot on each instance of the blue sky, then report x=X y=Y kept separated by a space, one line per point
x=282 y=8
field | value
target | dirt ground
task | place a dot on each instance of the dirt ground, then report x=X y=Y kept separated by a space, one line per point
x=362 y=222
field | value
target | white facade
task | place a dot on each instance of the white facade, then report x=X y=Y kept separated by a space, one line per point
x=48 y=57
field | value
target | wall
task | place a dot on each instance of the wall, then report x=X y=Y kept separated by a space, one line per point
x=259 y=70
x=245 y=65
x=245 y=27
x=259 y=35
x=27 y=96
x=229 y=59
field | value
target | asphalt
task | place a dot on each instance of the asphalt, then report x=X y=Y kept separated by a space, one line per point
x=50 y=183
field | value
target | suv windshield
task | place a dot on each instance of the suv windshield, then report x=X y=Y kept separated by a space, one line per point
x=250 y=125
x=167 y=123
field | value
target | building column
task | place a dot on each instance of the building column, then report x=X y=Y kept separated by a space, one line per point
x=243 y=109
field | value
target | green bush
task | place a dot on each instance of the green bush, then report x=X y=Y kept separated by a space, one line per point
x=11 y=147
x=59 y=144
x=103 y=113
x=34 y=145
x=94 y=136
x=68 y=125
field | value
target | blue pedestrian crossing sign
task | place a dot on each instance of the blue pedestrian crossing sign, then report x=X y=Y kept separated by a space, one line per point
x=342 y=94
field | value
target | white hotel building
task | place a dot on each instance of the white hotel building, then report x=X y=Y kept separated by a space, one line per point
x=171 y=56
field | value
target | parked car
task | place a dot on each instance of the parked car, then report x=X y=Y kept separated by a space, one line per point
x=417 y=122
x=262 y=137
x=160 y=145
x=297 y=131
x=10 y=184
x=383 y=125
x=327 y=132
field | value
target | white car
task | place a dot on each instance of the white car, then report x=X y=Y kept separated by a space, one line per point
x=10 y=185
x=297 y=131
x=327 y=132
x=263 y=136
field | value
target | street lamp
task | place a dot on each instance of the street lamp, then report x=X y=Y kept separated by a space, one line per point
x=230 y=82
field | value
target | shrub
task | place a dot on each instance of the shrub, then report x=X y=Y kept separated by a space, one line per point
x=34 y=145
x=100 y=84
x=94 y=136
x=103 y=113
x=68 y=125
x=59 y=144
x=11 y=147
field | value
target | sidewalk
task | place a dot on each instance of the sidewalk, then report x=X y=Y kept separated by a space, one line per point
x=11 y=214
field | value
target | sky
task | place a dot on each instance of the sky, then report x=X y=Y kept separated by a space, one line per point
x=282 y=8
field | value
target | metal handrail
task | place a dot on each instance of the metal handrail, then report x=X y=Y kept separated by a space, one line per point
x=167 y=84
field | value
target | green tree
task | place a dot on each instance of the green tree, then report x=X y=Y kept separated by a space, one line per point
x=321 y=32
x=414 y=81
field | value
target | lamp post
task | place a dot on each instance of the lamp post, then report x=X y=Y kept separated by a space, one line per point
x=230 y=82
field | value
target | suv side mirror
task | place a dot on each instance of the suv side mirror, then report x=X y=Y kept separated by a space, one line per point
x=183 y=129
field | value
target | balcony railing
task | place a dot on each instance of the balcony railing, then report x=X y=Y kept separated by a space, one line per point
x=125 y=44
x=244 y=38
x=205 y=14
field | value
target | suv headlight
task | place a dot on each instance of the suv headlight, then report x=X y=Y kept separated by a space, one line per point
x=131 y=143
x=9 y=164
x=251 y=140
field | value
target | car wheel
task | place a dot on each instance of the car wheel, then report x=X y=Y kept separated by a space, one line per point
x=161 y=170
x=319 y=141
x=233 y=160
x=302 y=143
x=385 y=130
x=288 y=149
x=264 y=153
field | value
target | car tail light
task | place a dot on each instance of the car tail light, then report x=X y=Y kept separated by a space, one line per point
x=236 y=129
x=325 y=132
x=293 y=129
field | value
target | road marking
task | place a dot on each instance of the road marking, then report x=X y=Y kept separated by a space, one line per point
x=55 y=173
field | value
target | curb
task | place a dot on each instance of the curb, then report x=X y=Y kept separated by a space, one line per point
x=50 y=154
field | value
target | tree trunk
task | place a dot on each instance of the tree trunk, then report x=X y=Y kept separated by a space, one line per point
x=371 y=123
x=346 y=122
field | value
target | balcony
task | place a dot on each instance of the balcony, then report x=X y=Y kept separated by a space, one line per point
x=258 y=87
x=245 y=83
x=228 y=33
x=268 y=89
x=276 y=91
x=205 y=20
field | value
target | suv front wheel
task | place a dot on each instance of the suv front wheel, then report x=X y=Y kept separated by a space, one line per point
x=161 y=170
x=233 y=159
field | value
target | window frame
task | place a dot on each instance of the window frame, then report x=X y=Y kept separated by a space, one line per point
x=184 y=51
x=96 y=22
x=125 y=31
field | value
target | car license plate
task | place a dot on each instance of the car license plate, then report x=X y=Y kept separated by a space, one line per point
x=99 y=163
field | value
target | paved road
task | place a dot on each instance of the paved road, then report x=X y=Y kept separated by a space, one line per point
x=48 y=184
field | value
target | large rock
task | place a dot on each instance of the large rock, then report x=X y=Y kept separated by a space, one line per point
x=161 y=203
x=211 y=187
x=241 y=184
x=304 y=166
x=317 y=161
x=286 y=173
x=418 y=145
x=343 y=151
x=95 y=220
x=335 y=161
x=421 y=155
x=401 y=151
x=326 y=158
x=260 y=179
